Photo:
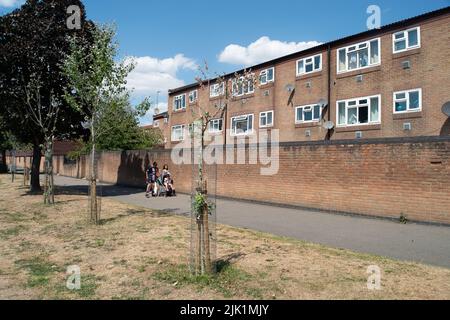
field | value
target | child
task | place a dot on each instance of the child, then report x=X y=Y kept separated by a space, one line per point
x=167 y=180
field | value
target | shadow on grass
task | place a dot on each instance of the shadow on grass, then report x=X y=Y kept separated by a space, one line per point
x=82 y=190
x=225 y=262
x=135 y=212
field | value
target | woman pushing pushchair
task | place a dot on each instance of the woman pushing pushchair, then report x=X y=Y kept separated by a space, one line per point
x=165 y=183
x=159 y=184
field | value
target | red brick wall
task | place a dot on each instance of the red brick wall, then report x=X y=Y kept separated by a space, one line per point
x=371 y=178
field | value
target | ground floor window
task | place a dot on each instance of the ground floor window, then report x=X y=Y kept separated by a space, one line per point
x=178 y=133
x=242 y=125
x=305 y=114
x=359 y=111
x=266 y=119
x=408 y=101
x=215 y=126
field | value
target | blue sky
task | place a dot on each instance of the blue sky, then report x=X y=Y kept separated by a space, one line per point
x=168 y=38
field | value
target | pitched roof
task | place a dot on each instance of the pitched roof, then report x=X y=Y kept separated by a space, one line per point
x=337 y=42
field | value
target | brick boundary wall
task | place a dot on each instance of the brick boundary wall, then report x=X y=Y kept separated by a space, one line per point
x=382 y=178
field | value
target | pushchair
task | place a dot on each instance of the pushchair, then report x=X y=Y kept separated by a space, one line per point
x=161 y=190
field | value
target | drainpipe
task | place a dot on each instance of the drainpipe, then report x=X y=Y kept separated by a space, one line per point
x=329 y=91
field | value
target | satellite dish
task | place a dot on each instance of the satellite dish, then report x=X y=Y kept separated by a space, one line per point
x=446 y=109
x=329 y=125
x=323 y=103
x=289 y=88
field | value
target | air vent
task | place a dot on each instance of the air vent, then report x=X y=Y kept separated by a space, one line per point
x=308 y=84
x=266 y=93
x=308 y=133
x=406 y=64
x=359 y=78
x=407 y=126
x=358 y=135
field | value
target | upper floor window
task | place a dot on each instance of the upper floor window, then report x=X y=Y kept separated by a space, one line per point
x=267 y=76
x=309 y=65
x=178 y=133
x=359 y=56
x=406 y=40
x=360 y=111
x=306 y=114
x=242 y=125
x=408 y=101
x=266 y=119
x=243 y=86
x=179 y=102
x=216 y=90
x=193 y=96
x=215 y=126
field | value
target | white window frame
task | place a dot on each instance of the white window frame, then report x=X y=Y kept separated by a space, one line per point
x=305 y=62
x=242 y=117
x=368 y=98
x=182 y=127
x=211 y=126
x=176 y=98
x=406 y=39
x=357 y=45
x=193 y=93
x=245 y=87
x=408 y=109
x=311 y=107
x=265 y=113
x=216 y=90
x=266 y=73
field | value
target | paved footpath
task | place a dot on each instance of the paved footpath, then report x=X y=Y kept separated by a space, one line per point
x=411 y=242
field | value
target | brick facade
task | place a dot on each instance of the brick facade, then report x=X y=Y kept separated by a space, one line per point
x=429 y=70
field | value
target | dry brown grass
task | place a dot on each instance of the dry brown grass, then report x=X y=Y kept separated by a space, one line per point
x=139 y=254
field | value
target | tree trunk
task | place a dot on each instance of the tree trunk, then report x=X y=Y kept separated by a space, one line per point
x=35 y=185
x=3 y=162
x=49 y=197
x=206 y=239
x=93 y=184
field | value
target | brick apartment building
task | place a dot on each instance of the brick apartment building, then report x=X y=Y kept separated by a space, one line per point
x=383 y=83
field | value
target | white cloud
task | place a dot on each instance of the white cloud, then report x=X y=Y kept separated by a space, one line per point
x=152 y=75
x=261 y=50
x=10 y=3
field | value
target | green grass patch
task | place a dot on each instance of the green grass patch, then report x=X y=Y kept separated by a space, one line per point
x=39 y=270
x=11 y=232
x=12 y=216
x=88 y=287
x=99 y=243
x=229 y=280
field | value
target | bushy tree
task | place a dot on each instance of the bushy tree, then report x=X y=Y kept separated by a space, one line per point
x=120 y=125
x=34 y=41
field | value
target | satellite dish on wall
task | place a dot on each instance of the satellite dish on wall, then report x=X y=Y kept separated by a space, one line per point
x=446 y=109
x=329 y=125
x=289 y=88
x=323 y=103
